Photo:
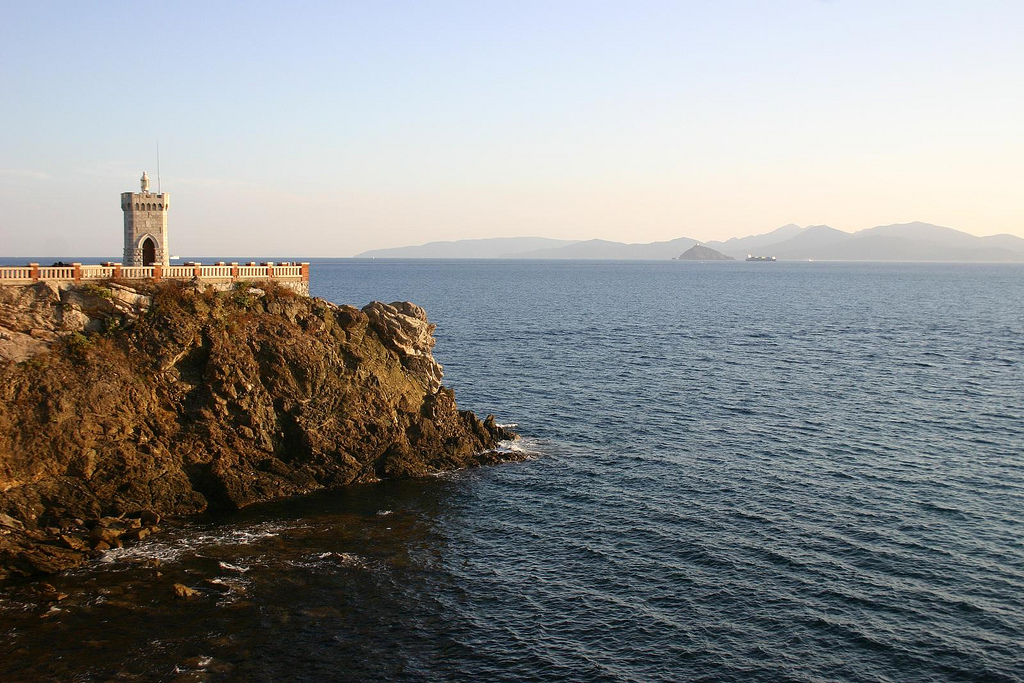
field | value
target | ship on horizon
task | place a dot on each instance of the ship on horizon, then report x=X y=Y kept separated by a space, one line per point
x=751 y=257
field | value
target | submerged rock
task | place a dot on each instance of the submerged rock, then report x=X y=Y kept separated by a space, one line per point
x=190 y=400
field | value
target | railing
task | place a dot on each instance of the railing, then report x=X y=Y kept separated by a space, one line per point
x=218 y=272
x=15 y=274
x=97 y=272
x=178 y=272
x=58 y=273
x=224 y=272
x=137 y=272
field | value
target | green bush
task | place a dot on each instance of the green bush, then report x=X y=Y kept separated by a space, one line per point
x=112 y=326
x=77 y=345
x=97 y=290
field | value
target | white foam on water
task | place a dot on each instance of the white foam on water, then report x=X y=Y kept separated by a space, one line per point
x=9 y=604
x=145 y=550
x=172 y=549
x=201 y=663
x=447 y=473
x=232 y=567
x=383 y=513
x=350 y=560
x=237 y=588
x=331 y=559
x=527 y=446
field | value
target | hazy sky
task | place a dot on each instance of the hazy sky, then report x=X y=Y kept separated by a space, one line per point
x=306 y=129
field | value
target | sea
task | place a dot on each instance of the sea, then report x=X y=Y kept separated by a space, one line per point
x=735 y=472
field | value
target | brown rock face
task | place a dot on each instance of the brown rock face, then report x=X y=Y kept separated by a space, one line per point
x=189 y=400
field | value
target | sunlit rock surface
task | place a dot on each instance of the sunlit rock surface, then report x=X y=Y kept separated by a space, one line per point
x=120 y=404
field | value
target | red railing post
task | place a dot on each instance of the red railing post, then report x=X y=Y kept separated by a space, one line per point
x=270 y=270
x=76 y=269
x=35 y=271
x=117 y=271
x=198 y=270
x=305 y=271
x=158 y=271
x=234 y=271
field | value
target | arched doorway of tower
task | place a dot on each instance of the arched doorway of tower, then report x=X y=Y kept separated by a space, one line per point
x=148 y=252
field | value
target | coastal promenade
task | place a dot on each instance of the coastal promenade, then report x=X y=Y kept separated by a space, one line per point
x=295 y=275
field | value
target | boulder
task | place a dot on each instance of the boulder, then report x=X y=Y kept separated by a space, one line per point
x=105 y=535
x=184 y=592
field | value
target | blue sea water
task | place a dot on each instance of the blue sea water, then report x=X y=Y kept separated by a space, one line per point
x=782 y=471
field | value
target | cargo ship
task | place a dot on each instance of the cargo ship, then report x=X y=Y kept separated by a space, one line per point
x=760 y=258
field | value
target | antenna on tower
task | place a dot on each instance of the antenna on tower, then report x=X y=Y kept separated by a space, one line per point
x=159 y=190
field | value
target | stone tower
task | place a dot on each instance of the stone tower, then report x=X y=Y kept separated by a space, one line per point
x=145 y=226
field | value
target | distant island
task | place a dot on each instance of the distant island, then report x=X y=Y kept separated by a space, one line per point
x=699 y=252
x=898 y=242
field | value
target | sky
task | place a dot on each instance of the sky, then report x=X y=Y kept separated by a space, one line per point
x=325 y=129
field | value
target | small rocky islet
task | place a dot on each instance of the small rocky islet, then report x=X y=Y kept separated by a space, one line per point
x=698 y=252
x=123 y=405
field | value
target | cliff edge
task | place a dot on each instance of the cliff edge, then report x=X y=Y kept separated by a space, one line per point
x=119 y=405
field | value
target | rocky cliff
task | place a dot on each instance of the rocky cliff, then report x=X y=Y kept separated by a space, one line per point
x=119 y=405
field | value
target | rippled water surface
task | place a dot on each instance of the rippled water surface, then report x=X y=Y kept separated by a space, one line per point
x=742 y=472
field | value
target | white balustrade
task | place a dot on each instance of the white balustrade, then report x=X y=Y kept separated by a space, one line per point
x=57 y=273
x=253 y=272
x=97 y=272
x=218 y=272
x=15 y=273
x=137 y=272
x=178 y=272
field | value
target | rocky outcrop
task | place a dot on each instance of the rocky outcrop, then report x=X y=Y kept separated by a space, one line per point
x=119 y=405
x=33 y=317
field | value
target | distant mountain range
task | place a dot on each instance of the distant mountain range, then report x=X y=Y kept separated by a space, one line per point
x=898 y=242
x=496 y=247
